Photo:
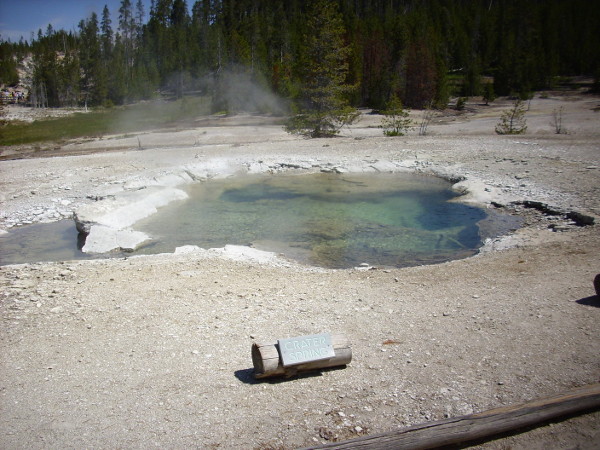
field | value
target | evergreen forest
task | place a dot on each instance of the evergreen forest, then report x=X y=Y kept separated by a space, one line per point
x=420 y=51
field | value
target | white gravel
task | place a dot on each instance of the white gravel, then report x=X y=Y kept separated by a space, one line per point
x=154 y=351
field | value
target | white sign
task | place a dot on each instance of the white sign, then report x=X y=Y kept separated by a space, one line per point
x=303 y=349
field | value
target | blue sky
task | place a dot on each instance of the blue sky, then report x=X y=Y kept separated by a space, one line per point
x=21 y=17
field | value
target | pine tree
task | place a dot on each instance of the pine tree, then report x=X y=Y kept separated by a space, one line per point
x=513 y=120
x=107 y=33
x=94 y=77
x=8 y=66
x=179 y=21
x=127 y=28
x=396 y=121
x=323 y=108
x=377 y=66
x=139 y=19
x=68 y=79
x=118 y=87
x=472 y=78
x=420 y=80
x=406 y=47
x=488 y=93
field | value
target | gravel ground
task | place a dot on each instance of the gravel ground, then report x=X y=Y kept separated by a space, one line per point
x=154 y=351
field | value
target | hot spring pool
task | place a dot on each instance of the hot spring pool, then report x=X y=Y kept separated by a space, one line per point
x=326 y=220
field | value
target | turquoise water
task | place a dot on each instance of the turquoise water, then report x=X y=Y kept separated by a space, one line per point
x=327 y=220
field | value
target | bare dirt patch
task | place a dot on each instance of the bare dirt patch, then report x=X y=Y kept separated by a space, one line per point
x=155 y=351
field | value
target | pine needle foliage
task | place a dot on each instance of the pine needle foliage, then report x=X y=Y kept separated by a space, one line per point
x=513 y=121
x=323 y=107
x=395 y=121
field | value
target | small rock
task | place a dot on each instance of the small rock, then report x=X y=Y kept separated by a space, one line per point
x=326 y=434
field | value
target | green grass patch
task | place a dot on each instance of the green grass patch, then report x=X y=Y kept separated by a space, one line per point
x=127 y=119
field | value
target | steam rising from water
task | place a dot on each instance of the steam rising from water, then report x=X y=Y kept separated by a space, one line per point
x=230 y=92
x=241 y=92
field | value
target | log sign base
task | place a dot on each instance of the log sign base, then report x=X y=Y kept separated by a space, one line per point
x=288 y=357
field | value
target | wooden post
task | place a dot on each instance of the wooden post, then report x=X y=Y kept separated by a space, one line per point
x=267 y=361
x=487 y=424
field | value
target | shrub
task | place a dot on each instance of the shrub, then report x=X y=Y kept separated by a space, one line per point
x=557 y=121
x=396 y=121
x=513 y=120
x=488 y=93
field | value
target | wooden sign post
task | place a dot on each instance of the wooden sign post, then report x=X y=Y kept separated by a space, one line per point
x=287 y=357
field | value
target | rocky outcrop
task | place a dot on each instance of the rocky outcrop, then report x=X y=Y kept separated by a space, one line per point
x=102 y=239
x=107 y=223
x=234 y=252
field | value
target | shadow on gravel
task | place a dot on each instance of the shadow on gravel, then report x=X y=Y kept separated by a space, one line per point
x=246 y=375
x=594 y=300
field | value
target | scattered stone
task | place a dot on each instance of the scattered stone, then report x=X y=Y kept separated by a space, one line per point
x=580 y=219
x=326 y=434
x=558 y=228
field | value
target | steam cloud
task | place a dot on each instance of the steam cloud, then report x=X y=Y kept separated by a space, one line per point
x=232 y=92
x=241 y=92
